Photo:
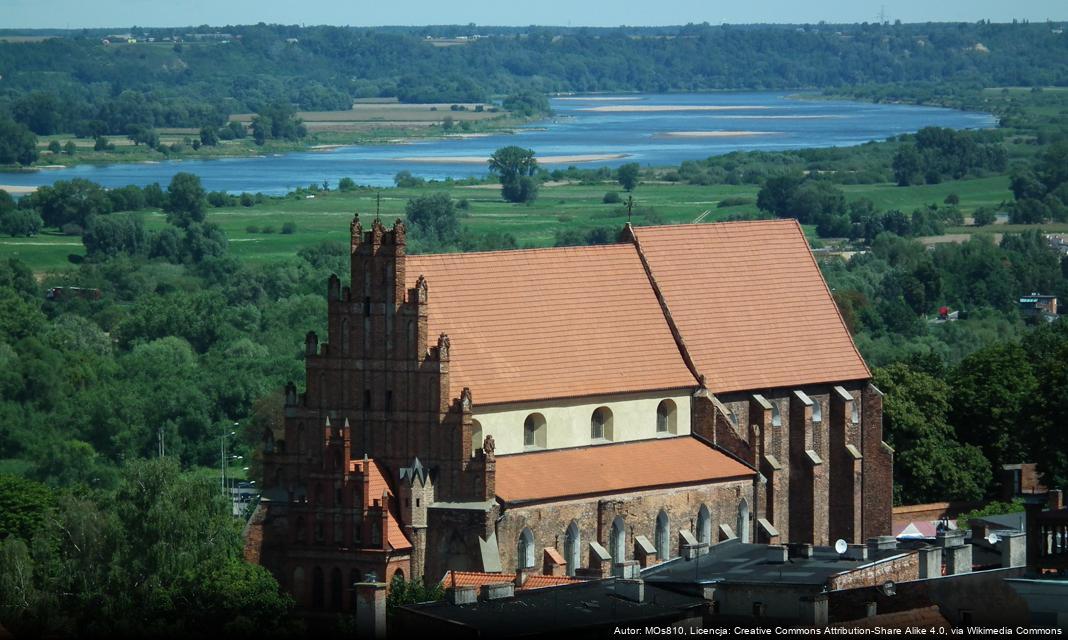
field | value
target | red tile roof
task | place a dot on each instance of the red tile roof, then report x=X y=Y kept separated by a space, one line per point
x=614 y=468
x=751 y=305
x=377 y=485
x=478 y=579
x=549 y=323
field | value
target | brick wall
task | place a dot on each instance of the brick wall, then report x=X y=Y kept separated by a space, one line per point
x=904 y=568
x=548 y=522
x=878 y=483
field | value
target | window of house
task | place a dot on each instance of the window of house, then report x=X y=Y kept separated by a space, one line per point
x=855 y=414
x=534 y=431
x=601 y=424
x=573 y=548
x=525 y=549
x=776 y=416
x=817 y=411
x=665 y=417
x=476 y=437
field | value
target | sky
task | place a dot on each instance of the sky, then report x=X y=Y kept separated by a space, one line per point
x=165 y=13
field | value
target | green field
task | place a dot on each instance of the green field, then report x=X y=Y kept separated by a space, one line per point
x=558 y=207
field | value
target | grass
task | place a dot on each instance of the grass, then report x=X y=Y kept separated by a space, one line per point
x=559 y=207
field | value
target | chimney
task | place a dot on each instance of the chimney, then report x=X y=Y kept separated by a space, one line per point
x=856 y=552
x=1055 y=497
x=958 y=559
x=371 y=609
x=777 y=554
x=461 y=595
x=870 y=610
x=498 y=591
x=930 y=562
x=813 y=610
x=800 y=550
x=633 y=590
x=1013 y=547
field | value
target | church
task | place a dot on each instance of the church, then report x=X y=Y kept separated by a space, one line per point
x=570 y=412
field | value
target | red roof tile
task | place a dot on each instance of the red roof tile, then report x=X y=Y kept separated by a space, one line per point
x=549 y=323
x=751 y=305
x=478 y=579
x=614 y=468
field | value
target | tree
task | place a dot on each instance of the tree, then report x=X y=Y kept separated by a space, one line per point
x=433 y=219
x=20 y=222
x=929 y=463
x=346 y=184
x=17 y=143
x=69 y=202
x=209 y=137
x=983 y=216
x=186 y=200
x=54 y=147
x=513 y=164
x=627 y=175
x=114 y=234
x=141 y=134
x=102 y=144
x=70 y=148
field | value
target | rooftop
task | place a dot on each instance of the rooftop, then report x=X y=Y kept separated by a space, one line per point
x=751 y=304
x=612 y=468
x=478 y=579
x=733 y=561
x=572 y=608
x=549 y=323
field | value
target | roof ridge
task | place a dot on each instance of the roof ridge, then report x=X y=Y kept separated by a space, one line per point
x=605 y=445
x=576 y=248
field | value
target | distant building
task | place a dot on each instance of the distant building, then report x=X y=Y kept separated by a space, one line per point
x=1037 y=305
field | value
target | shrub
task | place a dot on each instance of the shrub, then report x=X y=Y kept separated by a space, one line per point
x=268 y=229
x=346 y=184
x=733 y=202
x=289 y=228
x=247 y=200
x=71 y=229
x=252 y=229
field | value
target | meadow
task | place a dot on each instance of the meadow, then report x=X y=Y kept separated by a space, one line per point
x=255 y=232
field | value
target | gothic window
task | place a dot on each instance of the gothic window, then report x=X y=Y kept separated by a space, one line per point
x=376 y=532
x=743 y=520
x=525 y=549
x=572 y=548
x=776 y=417
x=663 y=536
x=666 y=417
x=855 y=417
x=704 y=525
x=476 y=437
x=618 y=541
x=534 y=431
x=601 y=424
x=317 y=588
x=336 y=589
x=817 y=411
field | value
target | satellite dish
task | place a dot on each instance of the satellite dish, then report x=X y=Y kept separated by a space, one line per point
x=841 y=546
x=993 y=538
x=888 y=588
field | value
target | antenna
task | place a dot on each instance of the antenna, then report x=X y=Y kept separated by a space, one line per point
x=840 y=546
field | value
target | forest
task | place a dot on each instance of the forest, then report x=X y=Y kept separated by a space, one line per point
x=75 y=83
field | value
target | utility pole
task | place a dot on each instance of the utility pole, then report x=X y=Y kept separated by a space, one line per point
x=630 y=207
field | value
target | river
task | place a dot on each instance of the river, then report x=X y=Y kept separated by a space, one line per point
x=587 y=131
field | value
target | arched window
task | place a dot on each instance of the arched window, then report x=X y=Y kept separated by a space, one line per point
x=855 y=417
x=704 y=525
x=733 y=417
x=534 y=431
x=663 y=536
x=476 y=437
x=776 y=417
x=817 y=411
x=525 y=549
x=743 y=520
x=601 y=424
x=336 y=589
x=376 y=532
x=666 y=417
x=618 y=541
x=572 y=548
x=300 y=587
x=345 y=337
x=317 y=588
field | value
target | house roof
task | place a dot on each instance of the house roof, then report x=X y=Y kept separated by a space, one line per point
x=750 y=304
x=377 y=485
x=614 y=468
x=549 y=323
